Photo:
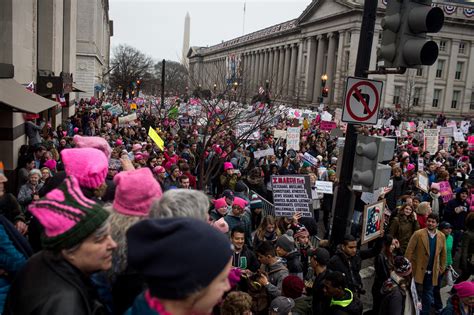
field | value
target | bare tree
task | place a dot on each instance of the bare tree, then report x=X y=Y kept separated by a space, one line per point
x=176 y=77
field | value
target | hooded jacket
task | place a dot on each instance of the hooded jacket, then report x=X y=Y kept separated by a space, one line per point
x=456 y=219
x=276 y=273
x=347 y=305
x=394 y=297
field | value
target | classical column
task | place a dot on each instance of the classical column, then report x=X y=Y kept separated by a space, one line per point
x=257 y=67
x=274 y=77
x=270 y=65
x=319 y=68
x=260 y=68
x=281 y=65
x=286 y=71
x=309 y=71
x=293 y=63
x=265 y=65
x=338 y=77
x=299 y=66
x=330 y=64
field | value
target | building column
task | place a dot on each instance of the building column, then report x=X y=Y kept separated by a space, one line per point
x=319 y=68
x=450 y=73
x=469 y=70
x=257 y=65
x=338 y=77
x=270 y=66
x=281 y=65
x=274 y=77
x=355 y=34
x=309 y=72
x=260 y=67
x=299 y=66
x=293 y=63
x=265 y=65
x=286 y=71
x=330 y=64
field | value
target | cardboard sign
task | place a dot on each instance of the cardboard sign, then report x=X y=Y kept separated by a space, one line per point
x=324 y=187
x=277 y=134
x=291 y=194
x=156 y=138
x=421 y=164
x=310 y=159
x=128 y=120
x=446 y=131
x=423 y=182
x=327 y=125
x=458 y=136
x=445 y=191
x=397 y=133
x=293 y=138
x=262 y=153
x=431 y=140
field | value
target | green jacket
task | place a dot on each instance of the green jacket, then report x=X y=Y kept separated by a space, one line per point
x=449 y=249
x=302 y=306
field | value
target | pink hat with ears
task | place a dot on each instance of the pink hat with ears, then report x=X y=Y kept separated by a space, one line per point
x=240 y=202
x=76 y=130
x=220 y=203
x=228 y=166
x=410 y=167
x=221 y=225
x=93 y=142
x=405 y=154
x=118 y=142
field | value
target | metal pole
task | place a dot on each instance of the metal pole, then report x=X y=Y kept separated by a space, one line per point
x=345 y=197
x=162 y=85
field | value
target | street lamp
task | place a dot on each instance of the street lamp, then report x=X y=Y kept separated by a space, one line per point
x=325 y=90
x=267 y=84
x=235 y=85
x=215 y=88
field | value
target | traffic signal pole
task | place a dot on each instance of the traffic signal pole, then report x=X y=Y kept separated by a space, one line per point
x=162 y=103
x=345 y=197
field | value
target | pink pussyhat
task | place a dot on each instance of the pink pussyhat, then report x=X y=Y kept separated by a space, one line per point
x=228 y=166
x=88 y=165
x=240 y=202
x=93 y=142
x=220 y=203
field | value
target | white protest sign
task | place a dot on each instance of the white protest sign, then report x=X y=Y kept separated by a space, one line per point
x=291 y=194
x=262 y=153
x=326 y=116
x=279 y=134
x=340 y=142
x=371 y=197
x=431 y=140
x=421 y=164
x=245 y=128
x=293 y=138
x=446 y=131
x=465 y=126
x=310 y=159
x=128 y=120
x=324 y=187
x=458 y=136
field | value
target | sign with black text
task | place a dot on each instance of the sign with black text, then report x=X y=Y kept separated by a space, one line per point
x=291 y=194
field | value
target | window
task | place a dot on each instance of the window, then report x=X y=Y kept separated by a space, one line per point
x=462 y=48
x=396 y=95
x=436 y=97
x=471 y=106
x=439 y=69
x=442 y=45
x=380 y=38
x=416 y=96
x=455 y=101
x=458 y=74
x=419 y=72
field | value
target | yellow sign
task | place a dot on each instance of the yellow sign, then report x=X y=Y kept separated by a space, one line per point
x=133 y=106
x=156 y=138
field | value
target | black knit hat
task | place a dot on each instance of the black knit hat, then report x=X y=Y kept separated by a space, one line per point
x=402 y=266
x=177 y=256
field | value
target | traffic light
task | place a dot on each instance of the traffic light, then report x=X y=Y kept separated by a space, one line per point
x=325 y=92
x=368 y=174
x=139 y=82
x=404 y=37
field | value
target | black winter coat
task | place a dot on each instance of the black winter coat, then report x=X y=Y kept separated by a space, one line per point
x=49 y=285
x=293 y=263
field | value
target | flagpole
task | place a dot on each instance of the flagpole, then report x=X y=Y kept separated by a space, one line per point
x=243 y=22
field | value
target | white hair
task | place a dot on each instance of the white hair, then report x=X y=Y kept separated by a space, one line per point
x=181 y=203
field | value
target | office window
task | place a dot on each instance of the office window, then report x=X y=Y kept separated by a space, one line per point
x=458 y=74
x=442 y=45
x=436 y=97
x=396 y=95
x=455 y=101
x=416 y=96
x=439 y=69
x=419 y=72
x=462 y=48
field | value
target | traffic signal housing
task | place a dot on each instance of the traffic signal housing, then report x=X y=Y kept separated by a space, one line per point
x=325 y=92
x=368 y=173
x=404 y=37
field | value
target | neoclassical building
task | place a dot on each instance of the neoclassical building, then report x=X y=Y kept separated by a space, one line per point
x=291 y=59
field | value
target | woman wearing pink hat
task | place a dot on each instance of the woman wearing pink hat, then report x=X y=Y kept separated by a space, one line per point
x=462 y=301
x=228 y=179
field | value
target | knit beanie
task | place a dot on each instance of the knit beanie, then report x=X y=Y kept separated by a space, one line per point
x=93 y=142
x=240 y=187
x=51 y=164
x=402 y=266
x=435 y=186
x=89 y=166
x=220 y=203
x=136 y=147
x=302 y=231
x=465 y=289
x=256 y=202
x=422 y=208
x=228 y=166
x=292 y=287
x=156 y=244
x=240 y=202
x=286 y=242
x=67 y=216
x=410 y=167
x=135 y=192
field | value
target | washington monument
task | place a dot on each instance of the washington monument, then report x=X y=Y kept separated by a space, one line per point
x=187 y=22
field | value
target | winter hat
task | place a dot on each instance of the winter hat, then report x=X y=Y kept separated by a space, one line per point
x=228 y=166
x=135 y=192
x=93 y=142
x=445 y=225
x=292 y=287
x=88 y=165
x=240 y=186
x=152 y=249
x=138 y=157
x=331 y=172
x=286 y=242
x=50 y=164
x=220 y=203
x=410 y=167
x=321 y=255
x=256 y=202
x=423 y=208
x=136 y=147
x=3 y=178
x=465 y=289
x=240 y=202
x=436 y=186
x=67 y=216
x=402 y=266
x=159 y=169
x=221 y=225
x=118 y=142
x=302 y=231
x=115 y=164
x=228 y=193
x=282 y=305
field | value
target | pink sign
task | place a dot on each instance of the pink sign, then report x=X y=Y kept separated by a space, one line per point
x=445 y=191
x=327 y=125
x=471 y=207
x=470 y=141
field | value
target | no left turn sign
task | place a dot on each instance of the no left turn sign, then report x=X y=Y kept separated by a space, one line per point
x=362 y=101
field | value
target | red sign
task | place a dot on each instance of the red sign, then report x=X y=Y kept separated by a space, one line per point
x=327 y=125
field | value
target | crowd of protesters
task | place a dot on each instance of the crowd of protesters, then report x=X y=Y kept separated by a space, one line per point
x=100 y=220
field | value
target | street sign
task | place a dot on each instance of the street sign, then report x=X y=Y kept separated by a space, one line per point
x=362 y=101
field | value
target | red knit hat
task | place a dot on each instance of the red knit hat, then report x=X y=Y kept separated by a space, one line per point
x=292 y=287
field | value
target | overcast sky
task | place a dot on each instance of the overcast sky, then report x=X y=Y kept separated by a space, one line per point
x=156 y=27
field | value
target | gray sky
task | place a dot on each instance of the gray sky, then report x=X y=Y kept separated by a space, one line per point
x=156 y=27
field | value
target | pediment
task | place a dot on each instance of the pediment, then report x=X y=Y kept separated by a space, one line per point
x=320 y=9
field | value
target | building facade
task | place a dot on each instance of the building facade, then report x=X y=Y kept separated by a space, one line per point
x=94 y=29
x=291 y=58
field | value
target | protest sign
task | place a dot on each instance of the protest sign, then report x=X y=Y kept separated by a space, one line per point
x=340 y=142
x=310 y=159
x=445 y=191
x=337 y=115
x=431 y=140
x=291 y=194
x=279 y=134
x=452 y=123
x=458 y=136
x=293 y=138
x=262 y=153
x=373 y=217
x=115 y=110
x=421 y=164
x=465 y=126
x=423 y=182
x=371 y=197
x=327 y=125
x=156 y=138
x=446 y=131
x=324 y=187
x=471 y=204
x=326 y=116
x=243 y=130
x=397 y=133
x=128 y=120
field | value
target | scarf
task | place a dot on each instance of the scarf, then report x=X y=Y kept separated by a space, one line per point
x=435 y=202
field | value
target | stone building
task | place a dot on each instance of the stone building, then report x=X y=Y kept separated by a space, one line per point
x=94 y=29
x=291 y=58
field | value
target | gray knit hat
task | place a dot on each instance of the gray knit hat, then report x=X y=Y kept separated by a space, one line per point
x=286 y=241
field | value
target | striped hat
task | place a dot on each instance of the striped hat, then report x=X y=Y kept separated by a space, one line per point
x=67 y=216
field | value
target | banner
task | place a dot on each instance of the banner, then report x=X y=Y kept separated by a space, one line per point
x=327 y=125
x=293 y=138
x=431 y=140
x=262 y=153
x=445 y=191
x=128 y=120
x=292 y=194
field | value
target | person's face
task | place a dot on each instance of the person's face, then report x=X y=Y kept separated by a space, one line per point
x=171 y=149
x=185 y=183
x=432 y=167
x=229 y=200
x=304 y=239
x=329 y=290
x=408 y=210
x=112 y=172
x=176 y=172
x=194 y=147
x=431 y=224
x=264 y=260
x=94 y=254
x=469 y=301
x=281 y=252
x=397 y=173
x=44 y=174
x=230 y=171
x=350 y=249
x=237 y=211
x=415 y=203
x=238 y=240
x=434 y=190
x=463 y=195
x=270 y=228
x=409 y=202
x=447 y=231
x=159 y=160
x=34 y=179
x=393 y=245
x=62 y=142
x=31 y=165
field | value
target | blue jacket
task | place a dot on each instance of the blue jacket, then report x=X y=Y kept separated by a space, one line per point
x=140 y=307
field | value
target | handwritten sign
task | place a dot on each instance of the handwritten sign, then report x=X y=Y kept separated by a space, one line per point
x=324 y=187
x=293 y=138
x=431 y=140
x=128 y=120
x=445 y=191
x=292 y=194
x=262 y=153
x=328 y=125
x=156 y=138
x=279 y=134
x=458 y=136
x=310 y=159
x=446 y=131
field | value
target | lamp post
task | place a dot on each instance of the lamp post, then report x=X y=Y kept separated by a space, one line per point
x=324 y=90
x=235 y=84
x=215 y=89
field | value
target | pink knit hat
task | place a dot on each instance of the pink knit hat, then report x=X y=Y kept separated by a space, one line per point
x=435 y=186
x=228 y=166
x=410 y=167
x=93 y=142
x=118 y=142
x=221 y=225
x=136 y=147
x=159 y=169
x=135 y=192
x=51 y=164
x=88 y=165
x=465 y=289
x=240 y=202
x=220 y=203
